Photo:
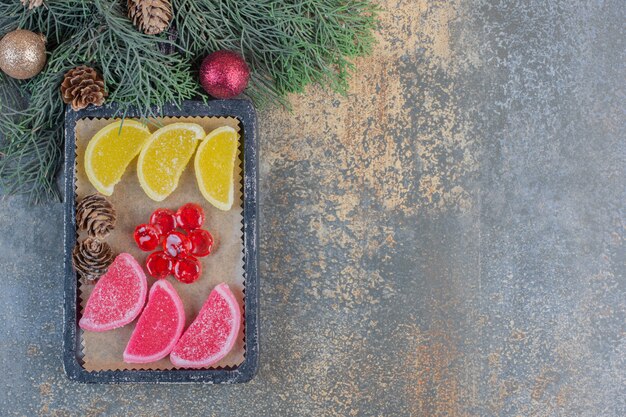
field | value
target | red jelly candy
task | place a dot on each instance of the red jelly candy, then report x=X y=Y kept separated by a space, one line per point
x=190 y=216
x=147 y=237
x=187 y=269
x=176 y=243
x=159 y=264
x=201 y=242
x=164 y=220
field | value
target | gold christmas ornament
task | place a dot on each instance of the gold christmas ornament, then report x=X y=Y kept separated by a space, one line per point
x=32 y=3
x=150 y=16
x=83 y=86
x=22 y=54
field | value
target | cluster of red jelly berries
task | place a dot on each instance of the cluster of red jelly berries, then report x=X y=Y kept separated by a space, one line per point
x=180 y=249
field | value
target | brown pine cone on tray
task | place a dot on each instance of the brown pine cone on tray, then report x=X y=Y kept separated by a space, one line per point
x=96 y=215
x=91 y=258
x=150 y=16
x=83 y=86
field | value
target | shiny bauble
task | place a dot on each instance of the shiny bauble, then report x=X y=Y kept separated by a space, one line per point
x=22 y=54
x=224 y=74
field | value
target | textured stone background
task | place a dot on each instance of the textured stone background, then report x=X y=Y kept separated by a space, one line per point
x=446 y=240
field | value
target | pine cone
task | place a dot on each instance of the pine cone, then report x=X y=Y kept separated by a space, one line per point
x=83 y=86
x=96 y=215
x=32 y=3
x=91 y=258
x=150 y=16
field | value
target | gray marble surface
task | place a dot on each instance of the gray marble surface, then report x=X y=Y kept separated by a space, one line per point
x=445 y=240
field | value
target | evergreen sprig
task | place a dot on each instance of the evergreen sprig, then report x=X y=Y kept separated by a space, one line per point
x=287 y=43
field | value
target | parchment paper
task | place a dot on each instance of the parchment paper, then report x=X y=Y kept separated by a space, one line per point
x=103 y=350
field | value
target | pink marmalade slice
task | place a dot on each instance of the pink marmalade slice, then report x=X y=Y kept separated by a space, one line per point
x=212 y=334
x=118 y=296
x=159 y=327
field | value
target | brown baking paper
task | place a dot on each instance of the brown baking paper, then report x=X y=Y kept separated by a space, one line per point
x=103 y=350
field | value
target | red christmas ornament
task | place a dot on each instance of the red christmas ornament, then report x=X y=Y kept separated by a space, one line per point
x=224 y=74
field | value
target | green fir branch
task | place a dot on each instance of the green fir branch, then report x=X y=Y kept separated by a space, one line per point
x=288 y=44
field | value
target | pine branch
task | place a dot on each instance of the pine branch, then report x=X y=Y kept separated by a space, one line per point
x=57 y=19
x=289 y=44
x=137 y=74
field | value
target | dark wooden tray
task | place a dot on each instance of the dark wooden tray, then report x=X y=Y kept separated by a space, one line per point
x=244 y=112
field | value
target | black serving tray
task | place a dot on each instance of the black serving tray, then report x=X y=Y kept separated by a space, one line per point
x=244 y=112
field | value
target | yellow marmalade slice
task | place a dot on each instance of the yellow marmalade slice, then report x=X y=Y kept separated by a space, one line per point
x=215 y=165
x=165 y=156
x=111 y=150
